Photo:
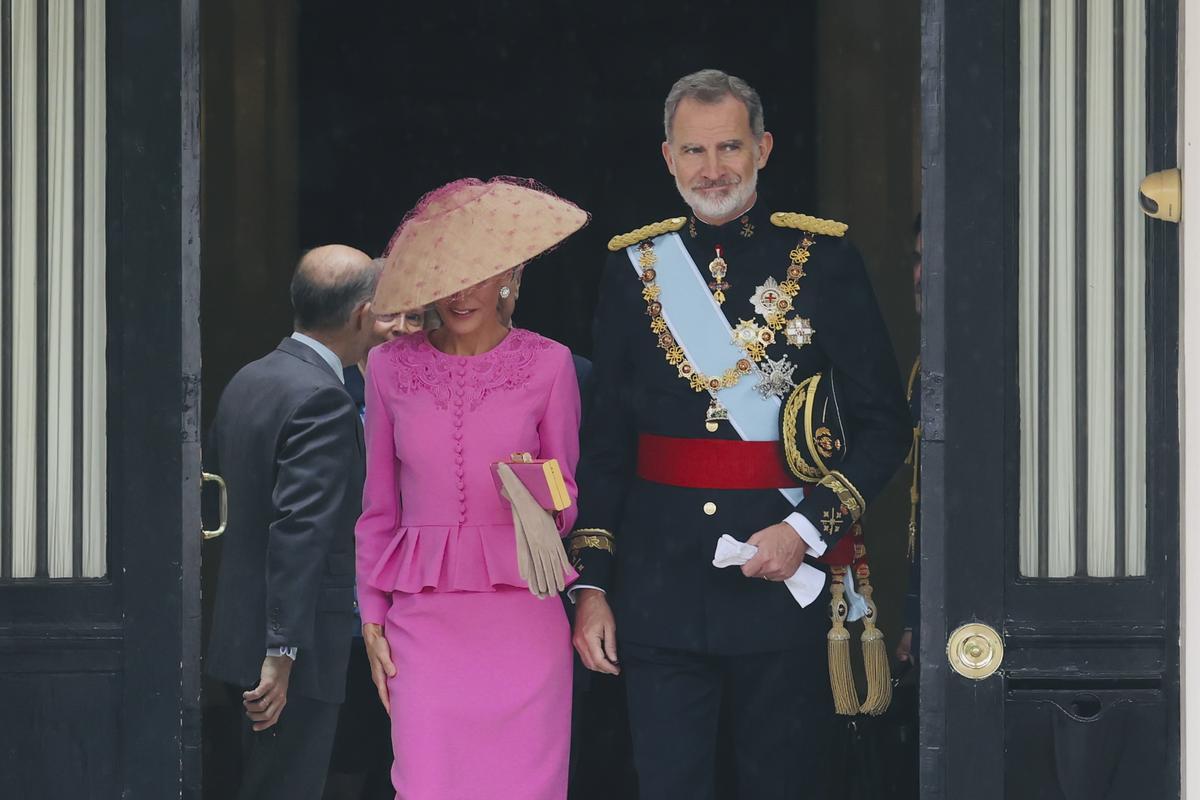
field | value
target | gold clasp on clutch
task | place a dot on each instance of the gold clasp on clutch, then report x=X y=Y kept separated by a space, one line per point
x=521 y=458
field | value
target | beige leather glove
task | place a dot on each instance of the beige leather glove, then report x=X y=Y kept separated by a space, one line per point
x=541 y=558
x=525 y=564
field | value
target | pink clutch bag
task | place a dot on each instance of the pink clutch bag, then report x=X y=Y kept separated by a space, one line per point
x=541 y=476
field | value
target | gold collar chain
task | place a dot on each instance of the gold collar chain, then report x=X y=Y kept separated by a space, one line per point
x=776 y=302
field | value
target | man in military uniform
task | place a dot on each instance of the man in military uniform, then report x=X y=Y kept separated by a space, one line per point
x=705 y=323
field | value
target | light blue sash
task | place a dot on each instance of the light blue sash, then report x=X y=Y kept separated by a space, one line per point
x=701 y=330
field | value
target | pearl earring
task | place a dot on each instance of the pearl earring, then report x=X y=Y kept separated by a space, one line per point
x=505 y=292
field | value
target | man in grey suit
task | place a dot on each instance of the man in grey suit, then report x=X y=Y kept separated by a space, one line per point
x=288 y=440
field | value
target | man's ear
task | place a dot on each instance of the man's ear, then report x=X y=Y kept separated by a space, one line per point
x=764 y=148
x=361 y=316
x=668 y=157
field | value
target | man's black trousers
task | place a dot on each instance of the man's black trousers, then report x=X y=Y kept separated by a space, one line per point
x=289 y=760
x=779 y=712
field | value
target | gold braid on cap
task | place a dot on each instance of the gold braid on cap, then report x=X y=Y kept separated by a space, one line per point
x=646 y=232
x=846 y=492
x=804 y=222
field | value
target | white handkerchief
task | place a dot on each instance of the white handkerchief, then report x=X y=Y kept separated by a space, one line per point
x=805 y=585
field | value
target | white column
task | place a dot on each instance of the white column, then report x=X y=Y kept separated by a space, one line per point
x=94 y=469
x=60 y=410
x=1101 y=348
x=24 y=289
x=1027 y=231
x=1061 y=388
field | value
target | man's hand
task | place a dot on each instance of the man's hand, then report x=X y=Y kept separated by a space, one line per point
x=380 y=656
x=780 y=553
x=264 y=703
x=595 y=636
x=904 y=648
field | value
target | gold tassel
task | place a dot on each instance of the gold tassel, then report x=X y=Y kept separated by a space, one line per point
x=841 y=678
x=875 y=658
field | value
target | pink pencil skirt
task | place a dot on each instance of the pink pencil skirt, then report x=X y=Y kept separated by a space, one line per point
x=481 y=701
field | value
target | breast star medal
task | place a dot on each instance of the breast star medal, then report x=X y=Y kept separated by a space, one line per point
x=799 y=331
x=776 y=378
x=753 y=338
x=718 y=269
x=772 y=303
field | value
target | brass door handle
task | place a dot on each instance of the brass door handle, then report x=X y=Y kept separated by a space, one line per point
x=220 y=482
x=975 y=651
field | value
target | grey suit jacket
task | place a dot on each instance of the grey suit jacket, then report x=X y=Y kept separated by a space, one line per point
x=288 y=441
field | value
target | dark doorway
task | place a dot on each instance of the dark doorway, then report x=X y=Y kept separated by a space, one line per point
x=396 y=103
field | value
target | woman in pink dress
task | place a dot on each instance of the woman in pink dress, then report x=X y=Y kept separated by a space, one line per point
x=474 y=668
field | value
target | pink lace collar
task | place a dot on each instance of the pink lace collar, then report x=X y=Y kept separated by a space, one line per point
x=419 y=366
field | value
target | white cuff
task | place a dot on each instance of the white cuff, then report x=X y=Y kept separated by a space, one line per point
x=806 y=584
x=571 y=592
x=290 y=652
x=806 y=531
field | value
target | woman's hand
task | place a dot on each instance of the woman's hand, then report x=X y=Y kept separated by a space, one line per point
x=380 y=656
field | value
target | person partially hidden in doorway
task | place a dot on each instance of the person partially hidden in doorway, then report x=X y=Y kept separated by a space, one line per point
x=288 y=441
x=902 y=775
x=908 y=647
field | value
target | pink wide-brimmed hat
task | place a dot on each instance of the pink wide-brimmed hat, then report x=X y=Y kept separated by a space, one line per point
x=466 y=232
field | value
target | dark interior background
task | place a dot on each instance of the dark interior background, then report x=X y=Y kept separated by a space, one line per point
x=325 y=121
x=572 y=98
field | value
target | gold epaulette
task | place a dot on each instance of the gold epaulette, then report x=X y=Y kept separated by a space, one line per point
x=646 y=232
x=804 y=222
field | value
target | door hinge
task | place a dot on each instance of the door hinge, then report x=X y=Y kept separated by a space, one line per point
x=933 y=407
x=190 y=422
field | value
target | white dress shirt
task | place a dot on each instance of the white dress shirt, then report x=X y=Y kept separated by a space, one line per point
x=324 y=352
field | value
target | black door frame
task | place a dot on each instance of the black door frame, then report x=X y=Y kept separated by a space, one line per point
x=154 y=380
x=969 y=74
x=108 y=652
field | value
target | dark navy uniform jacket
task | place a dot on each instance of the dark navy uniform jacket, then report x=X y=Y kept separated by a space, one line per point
x=661 y=582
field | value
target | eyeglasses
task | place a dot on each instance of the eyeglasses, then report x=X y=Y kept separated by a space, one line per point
x=409 y=318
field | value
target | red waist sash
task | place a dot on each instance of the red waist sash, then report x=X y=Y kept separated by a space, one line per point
x=712 y=463
x=725 y=464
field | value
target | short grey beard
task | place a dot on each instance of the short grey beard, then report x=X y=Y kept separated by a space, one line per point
x=721 y=207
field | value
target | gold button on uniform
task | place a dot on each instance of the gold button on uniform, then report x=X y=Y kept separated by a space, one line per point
x=710 y=508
